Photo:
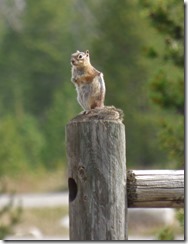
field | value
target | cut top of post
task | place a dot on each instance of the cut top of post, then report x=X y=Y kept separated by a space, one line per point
x=106 y=113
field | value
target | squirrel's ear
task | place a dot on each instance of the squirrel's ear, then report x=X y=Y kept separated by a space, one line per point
x=78 y=51
x=87 y=53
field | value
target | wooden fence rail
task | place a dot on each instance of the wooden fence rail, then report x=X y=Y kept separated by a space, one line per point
x=100 y=187
x=155 y=188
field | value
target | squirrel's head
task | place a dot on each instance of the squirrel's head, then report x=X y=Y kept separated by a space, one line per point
x=80 y=59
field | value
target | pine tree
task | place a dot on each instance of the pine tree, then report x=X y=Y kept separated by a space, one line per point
x=167 y=85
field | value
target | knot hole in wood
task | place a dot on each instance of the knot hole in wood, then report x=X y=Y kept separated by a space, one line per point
x=73 y=189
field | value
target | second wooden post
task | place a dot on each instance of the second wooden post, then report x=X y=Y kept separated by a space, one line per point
x=97 y=176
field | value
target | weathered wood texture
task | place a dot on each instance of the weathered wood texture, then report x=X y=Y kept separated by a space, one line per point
x=97 y=177
x=155 y=188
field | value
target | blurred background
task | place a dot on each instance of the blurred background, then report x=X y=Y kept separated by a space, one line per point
x=139 y=47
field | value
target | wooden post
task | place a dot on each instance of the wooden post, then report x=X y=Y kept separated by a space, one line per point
x=97 y=176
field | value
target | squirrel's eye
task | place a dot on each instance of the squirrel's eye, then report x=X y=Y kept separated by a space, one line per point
x=80 y=56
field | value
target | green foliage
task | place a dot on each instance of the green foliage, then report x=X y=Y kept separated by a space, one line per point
x=169 y=232
x=9 y=215
x=172 y=137
x=21 y=145
x=32 y=140
x=180 y=216
x=12 y=155
x=58 y=115
x=45 y=52
x=167 y=85
x=13 y=216
x=165 y=234
x=36 y=43
x=165 y=92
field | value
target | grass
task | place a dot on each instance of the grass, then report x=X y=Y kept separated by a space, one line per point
x=47 y=220
x=38 y=180
x=44 y=221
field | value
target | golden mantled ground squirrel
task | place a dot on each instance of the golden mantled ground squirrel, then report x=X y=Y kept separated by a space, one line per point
x=88 y=81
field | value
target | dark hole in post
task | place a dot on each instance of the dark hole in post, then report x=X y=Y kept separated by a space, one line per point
x=72 y=189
